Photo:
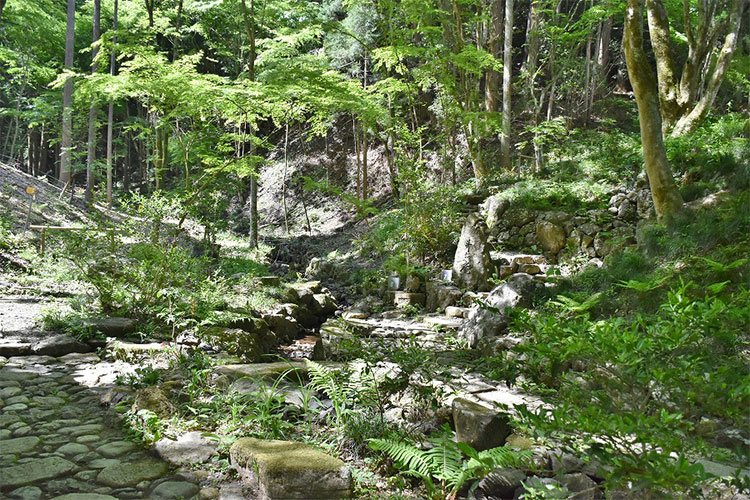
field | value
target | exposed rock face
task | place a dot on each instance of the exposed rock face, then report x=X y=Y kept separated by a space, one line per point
x=550 y=236
x=189 y=448
x=478 y=426
x=279 y=470
x=492 y=319
x=472 y=265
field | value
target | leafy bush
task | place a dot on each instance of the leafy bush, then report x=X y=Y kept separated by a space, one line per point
x=635 y=393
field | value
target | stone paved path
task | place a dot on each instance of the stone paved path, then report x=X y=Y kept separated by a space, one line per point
x=56 y=441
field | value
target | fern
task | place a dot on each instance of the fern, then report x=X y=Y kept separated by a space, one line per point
x=576 y=308
x=446 y=462
x=642 y=286
x=721 y=267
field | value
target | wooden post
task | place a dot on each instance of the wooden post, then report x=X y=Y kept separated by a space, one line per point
x=43 y=242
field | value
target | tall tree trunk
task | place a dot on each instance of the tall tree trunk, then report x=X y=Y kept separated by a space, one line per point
x=492 y=86
x=248 y=17
x=533 y=39
x=689 y=121
x=91 y=155
x=602 y=50
x=161 y=146
x=587 y=90
x=685 y=101
x=286 y=170
x=44 y=148
x=67 y=114
x=505 y=157
x=667 y=199
x=110 y=114
x=357 y=150
x=364 y=142
x=178 y=24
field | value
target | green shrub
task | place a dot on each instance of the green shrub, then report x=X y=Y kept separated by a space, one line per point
x=633 y=392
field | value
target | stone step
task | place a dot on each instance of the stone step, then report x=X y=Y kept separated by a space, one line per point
x=277 y=470
x=445 y=322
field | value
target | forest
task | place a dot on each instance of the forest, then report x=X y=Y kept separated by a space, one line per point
x=375 y=249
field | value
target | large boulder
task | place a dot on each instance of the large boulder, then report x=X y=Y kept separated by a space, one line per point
x=472 y=265
x=286 y=328
x=493 y=209
x=441 y=295
x=550 y=236
x=152 y=398
x=59 y=345
x=278 y=470
x=244 y=344
x=480 y=427
x=491 y=317
x=502 y=482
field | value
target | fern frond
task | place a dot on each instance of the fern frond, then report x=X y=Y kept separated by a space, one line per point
x=407 y=457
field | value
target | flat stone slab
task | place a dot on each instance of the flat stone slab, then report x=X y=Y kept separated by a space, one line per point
x=289 y=470
x=34 y=471
x=264 y=370
x=112 y=327
x=116 y=448
x=189 y=448
x=130 y=474
x=59 y=345
x=16 y=373
x=10 y=348
x=170 y=490
x=18 y=445
x=443 y=322
x=85 y=496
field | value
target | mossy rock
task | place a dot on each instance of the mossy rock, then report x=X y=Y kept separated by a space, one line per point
x=249 y=346
x=289 y=470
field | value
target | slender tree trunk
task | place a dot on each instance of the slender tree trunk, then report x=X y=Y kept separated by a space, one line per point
x=178 y=24
x=161 y=146
x=248 y=17
x=364 y=143
x=667 y=199
x=286 y=169
x=91 y=155
x=110 y=113
x=587 y=82
x=67 y=118
x=492 y=86
x=44 y=148
x=602 y=51
x=689 y=121
x=532 y=38
x=357 y=150
x=505 y=154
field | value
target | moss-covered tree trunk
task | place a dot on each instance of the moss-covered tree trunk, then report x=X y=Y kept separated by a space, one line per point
x=686 y=97
x=667 y=199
